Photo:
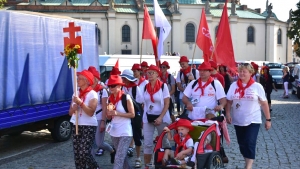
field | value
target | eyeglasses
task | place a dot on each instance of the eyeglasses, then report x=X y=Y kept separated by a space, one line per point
x=150 y=73
x=244 y=64
x=163 y=67
x=112 y=86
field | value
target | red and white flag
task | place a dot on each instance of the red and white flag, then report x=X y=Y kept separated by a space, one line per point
x=224 y=48
x=203 y=40
x=149 y=32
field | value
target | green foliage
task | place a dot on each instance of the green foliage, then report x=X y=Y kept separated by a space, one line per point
x=2 y=3
x=294 y=31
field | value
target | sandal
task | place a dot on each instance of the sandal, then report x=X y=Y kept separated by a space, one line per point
x=138 y=163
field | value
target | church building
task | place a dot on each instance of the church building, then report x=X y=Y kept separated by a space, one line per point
x=257 y=34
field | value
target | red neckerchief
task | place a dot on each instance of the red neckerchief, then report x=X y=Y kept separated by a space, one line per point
x=156 y=88
x=130 y=85
x=164 y=78
x=98 y=87
x=241 y=89
x=82 y=94
x=209 y=80
x=114 y=100
x=186 y=71
x=142 y=79
x=181 y=145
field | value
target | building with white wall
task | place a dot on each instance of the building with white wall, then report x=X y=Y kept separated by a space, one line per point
x=256 y=36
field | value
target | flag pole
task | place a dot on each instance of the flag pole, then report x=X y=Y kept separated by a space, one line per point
x=75 y=92
x=193 y=55
x=141 y=51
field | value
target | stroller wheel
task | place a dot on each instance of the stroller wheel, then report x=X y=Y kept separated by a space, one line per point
x=214 y=161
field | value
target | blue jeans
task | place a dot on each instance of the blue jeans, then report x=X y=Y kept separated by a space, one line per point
x=246 y=137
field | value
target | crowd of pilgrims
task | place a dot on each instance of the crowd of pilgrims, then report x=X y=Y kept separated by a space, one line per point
x=108 y=108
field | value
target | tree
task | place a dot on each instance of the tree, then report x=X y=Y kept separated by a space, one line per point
x=294 y=31
x=2 y=3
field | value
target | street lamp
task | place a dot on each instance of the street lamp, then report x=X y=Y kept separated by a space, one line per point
x=168 y=47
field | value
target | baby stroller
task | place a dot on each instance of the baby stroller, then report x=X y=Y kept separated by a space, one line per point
x=206 y=158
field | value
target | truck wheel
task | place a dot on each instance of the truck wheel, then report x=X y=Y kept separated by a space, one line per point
x=298 y=92
x=62 y=130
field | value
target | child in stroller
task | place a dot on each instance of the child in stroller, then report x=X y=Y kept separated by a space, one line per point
x=184 y=145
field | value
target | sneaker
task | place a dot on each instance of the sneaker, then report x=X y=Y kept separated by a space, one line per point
x=138 y=163
x=286 y=97
x=130 y=152
x=112 y=156
x=100 y=152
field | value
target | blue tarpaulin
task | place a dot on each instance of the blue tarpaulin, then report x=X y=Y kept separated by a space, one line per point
x=32 y=70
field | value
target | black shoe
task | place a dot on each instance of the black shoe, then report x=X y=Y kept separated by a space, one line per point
x=270 y=110
x=112 y=156
x=130 y=152
x=190 y=164
x=173 y=161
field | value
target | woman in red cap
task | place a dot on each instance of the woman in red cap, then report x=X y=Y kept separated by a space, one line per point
x=120 y=126
x=168 y=79
x=114 y=71
x=144 y=67
x=245 y=99
x=184 y=145
x=256 y=74
x=85 y=104
x=156 y=115
x=101 y=115
x=267 y=82
x=141 y=81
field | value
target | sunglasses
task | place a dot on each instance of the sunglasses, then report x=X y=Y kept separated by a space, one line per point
x=150 y=73
x=163 y=67
x=112 y=86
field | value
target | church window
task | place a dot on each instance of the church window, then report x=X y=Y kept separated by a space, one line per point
x=190 y=33
x=279 y=36
x=250 y=34
x=125 y=33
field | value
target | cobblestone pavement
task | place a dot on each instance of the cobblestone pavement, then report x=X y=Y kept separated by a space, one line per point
x=278 y=148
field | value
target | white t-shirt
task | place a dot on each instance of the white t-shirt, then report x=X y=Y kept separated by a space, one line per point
x=210 y=97
x=121 y=126
x=246 y=110
x=99 y=105
x=142 y=85
x=83 y=118
x=139 y=97
x=181 y=80
x=158 y=104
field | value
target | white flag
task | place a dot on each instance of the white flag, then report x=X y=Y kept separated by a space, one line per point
x=165 y=28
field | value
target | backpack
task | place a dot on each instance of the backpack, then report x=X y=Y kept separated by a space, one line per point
x=186 y=80
x=291 y=78
x=138 y=109
x=100 y=94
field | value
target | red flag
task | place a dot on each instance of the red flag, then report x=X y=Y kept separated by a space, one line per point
x=203 y=40
x=117 y=64
x=224 y=48
x=149 y=32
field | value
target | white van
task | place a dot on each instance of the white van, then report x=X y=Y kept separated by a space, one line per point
x=107 y=62
x=296 y=83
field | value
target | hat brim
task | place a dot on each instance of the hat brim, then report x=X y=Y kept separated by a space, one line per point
x=210 y=69
x=128 y=77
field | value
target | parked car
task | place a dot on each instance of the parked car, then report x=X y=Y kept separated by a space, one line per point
x=296 y=83
x=274 y=65
x=277 y=74
x=291 y=65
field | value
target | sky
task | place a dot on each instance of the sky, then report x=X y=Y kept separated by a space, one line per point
x=280 y=7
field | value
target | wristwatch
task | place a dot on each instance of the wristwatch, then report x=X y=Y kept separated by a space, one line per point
x=268 y=119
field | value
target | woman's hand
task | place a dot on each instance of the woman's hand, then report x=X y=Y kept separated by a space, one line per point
x=102 y=126
x=189 y=106
x=77 y=100
x=228 y=119
x=267 y=125
x=111 y=112
x=158 y=121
